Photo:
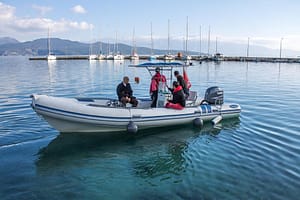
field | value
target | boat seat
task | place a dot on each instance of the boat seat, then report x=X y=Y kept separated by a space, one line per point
x=191 y=98
x=144 y=103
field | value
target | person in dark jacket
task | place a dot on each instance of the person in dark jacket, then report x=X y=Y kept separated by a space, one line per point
x=178 y=101
x=182 y=82
x=125 y=92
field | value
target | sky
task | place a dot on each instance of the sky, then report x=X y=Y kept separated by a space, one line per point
x=266 y=23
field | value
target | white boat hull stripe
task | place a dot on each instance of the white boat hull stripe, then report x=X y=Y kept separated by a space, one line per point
x=142 y=118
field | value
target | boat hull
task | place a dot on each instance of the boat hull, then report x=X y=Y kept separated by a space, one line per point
x=96 y=115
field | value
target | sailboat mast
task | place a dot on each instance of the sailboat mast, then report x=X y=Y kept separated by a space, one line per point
x=187 y=35
x=115 y=44
x=91 y=48
x=168 y=36
x=133 y=42
x=200 y=42
x=108 y=48
x=49 y=41
x=216 y=44
x=117 y=41
x=208 y=42
x=100 y=45
x=151 y=39
x=248 y=47
x=91 y=42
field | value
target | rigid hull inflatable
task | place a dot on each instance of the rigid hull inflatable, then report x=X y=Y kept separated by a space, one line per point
x=107 y=115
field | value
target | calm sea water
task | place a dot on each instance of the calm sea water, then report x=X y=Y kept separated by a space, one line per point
x=253 y=157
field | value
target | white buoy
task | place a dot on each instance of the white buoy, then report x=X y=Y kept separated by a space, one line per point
x=216 y=120
x=198 y=122
x=132 y=127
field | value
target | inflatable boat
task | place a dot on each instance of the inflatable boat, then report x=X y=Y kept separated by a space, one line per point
x=109 y=115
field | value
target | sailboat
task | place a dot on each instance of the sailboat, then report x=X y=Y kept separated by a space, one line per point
x=92 y=56
x=117 y=55
x=168 y=57
x=134 y=55
x=217 y=56
x=101 y=56
x=50 y=56
x=109 y=55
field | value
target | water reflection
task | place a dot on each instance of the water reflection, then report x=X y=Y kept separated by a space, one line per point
x=134 y=62
x=176 y=155
x=51 y=67
x=51 y=63
x=92 y=62
x=158 y=164
x=279 y=69
x=148 y=154
x=74 y=145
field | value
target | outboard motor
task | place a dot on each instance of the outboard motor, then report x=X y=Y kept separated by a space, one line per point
x=214 y=95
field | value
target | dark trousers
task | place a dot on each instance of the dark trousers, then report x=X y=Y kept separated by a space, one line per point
x=154 y=98
x=186 y=93
x=133 y=101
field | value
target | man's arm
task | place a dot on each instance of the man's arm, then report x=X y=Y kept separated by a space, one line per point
x=119 y=91
x=130 y=90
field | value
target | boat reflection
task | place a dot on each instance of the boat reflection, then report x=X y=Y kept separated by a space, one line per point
x=175 y=158
x=150 y=153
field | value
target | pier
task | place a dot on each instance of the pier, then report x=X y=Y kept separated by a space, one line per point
x=193 y=58
x=262 y=59
x=64 y=57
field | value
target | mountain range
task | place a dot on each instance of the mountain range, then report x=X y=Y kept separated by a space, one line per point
x=39 y=47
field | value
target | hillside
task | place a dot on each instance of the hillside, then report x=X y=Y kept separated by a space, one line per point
x=66 y=47
x=8 y=40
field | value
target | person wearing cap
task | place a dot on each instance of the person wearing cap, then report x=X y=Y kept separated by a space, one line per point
x=157 y=78
x=125 y=92
x=178 y=101
x=182 y=82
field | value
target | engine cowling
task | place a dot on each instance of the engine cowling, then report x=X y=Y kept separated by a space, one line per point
x=214 y=95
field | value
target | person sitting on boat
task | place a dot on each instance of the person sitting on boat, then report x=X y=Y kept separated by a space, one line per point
x=158 y=81
x=178 y=101
x=125 y=92
x=182 y=82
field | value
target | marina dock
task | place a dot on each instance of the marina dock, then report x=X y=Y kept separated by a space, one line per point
x=194 y=58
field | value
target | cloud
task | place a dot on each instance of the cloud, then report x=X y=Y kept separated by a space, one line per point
x=14 y=26
x=41 y=24
x=7 y=12
x=78 y=9
x=42 y=9
x=81 y=25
